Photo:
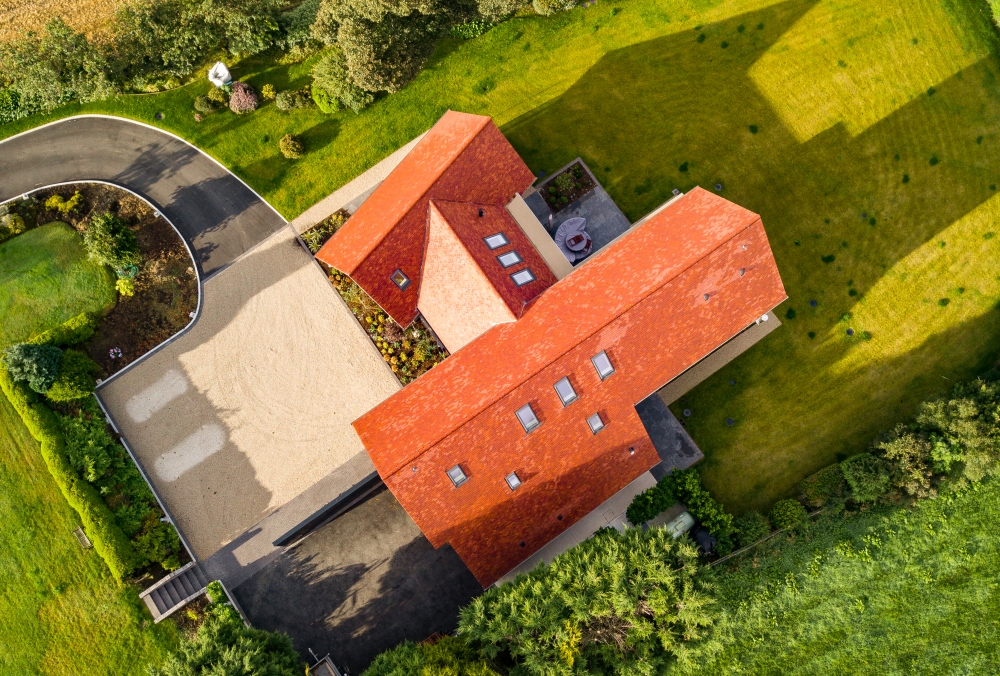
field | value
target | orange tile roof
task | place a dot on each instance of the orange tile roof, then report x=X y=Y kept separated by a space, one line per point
x=657 y=301
x=462 y=158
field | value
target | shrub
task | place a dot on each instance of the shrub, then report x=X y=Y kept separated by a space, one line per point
x=38 y=365
x=750 y=527
x=787 y=513
x=387 y=54
x=267 y=92
x=125 y=287
x=908 y=457
x=71 y=332
x=316 y=236
x=224 y=645
x=76 y=377
x=496 y=10
x=64 y=207
x=218 y=96
x=11 y=225
x=867 y=475
x=472 y=29
x=332 y=85
x=290 y=100
x=110 y=241
x=450 y=656
x=54 y=68
x=550 y=7
x=608 y=605
x=243 y=99
x=203 y=104
x=820 y=487
x=159 y=544
x=682 y=486
x=98 y=521
x=10 y=106
x=292 y=146
x=296 y=26
x=651 y=502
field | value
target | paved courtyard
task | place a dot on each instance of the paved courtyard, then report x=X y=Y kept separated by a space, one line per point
x=360 y=585
x=240 y=415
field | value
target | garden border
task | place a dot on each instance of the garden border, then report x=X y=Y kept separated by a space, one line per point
x=159 y=212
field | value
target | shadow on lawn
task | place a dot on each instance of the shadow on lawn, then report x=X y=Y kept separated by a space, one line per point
x=687 y=113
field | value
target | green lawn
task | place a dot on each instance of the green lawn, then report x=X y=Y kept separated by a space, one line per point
x=60 y=610
x=810 y=112
x=887 y=592
x=45 y=279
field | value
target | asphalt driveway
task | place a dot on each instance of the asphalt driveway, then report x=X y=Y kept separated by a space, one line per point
x=219 y=216
x=360 y=585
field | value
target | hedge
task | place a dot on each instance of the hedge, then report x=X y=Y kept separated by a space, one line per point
x=98 y=521
x=71 y=332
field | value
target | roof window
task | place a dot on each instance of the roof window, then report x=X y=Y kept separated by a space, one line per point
x=528 y=419
x=399 y=279
x=567 y=395
x=595 y=423
x=522 y=277
x=496 y=241
x=513 y=480
x=508 y=259
x=457 y=476
x=602 y=364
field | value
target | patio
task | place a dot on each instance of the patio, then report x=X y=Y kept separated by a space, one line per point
x=605 y=221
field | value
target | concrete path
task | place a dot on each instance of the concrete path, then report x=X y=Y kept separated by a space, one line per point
x=219 y=216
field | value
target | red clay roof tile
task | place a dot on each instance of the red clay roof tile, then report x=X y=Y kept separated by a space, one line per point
x=643 y=300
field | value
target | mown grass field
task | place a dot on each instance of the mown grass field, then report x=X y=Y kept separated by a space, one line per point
x=45 y=279
x=61 y=612
x=888 y=592
x=863 y=133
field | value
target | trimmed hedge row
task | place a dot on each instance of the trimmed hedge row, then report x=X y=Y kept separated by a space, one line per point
x=71 y=332
x=98 y=521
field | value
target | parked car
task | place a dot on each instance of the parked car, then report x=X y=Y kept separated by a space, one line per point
x=681 y=524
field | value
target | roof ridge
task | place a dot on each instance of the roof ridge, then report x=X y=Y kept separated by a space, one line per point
x=503 y=393
x=484 y=122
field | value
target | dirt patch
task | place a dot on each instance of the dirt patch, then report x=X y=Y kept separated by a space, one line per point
x=566 y=187
x=166 y=286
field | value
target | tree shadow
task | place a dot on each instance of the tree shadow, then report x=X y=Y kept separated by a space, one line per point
x=360 y=585
x=840 y=211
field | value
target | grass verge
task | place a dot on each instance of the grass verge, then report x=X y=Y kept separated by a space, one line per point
x=890 y=591
x=61 y=612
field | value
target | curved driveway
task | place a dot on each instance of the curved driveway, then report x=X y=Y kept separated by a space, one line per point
x=218 y=215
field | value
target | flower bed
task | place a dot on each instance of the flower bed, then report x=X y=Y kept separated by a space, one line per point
x=410 y=352
x=164 y=289
x=567 y=186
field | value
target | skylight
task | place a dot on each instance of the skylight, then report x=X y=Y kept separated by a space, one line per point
x=508 y=259
x=602 y=364
x=522 y=277
x=595 y=423
x=456 y=475
x=526 y=416
x=565 y=391
x=496 y=241
x=399 y=279
x=513 y=480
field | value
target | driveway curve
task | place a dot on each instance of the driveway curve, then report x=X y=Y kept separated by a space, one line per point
x=220 y=216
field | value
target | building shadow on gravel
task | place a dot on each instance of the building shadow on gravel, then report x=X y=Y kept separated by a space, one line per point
x=360 y=585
